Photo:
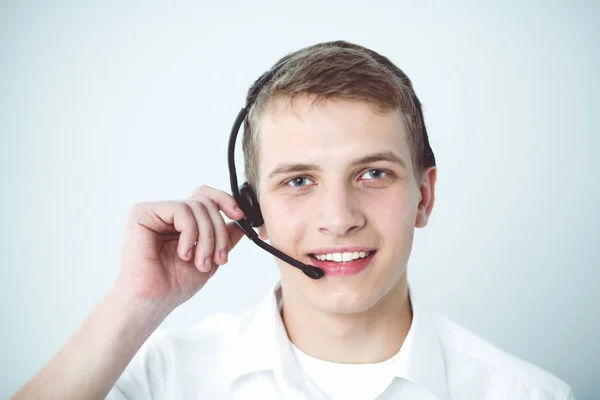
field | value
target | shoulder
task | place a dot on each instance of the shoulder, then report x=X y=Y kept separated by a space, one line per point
x=207 y=338
x=468 y=357
x=184 y=363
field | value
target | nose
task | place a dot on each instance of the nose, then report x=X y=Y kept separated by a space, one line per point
x=339 y=212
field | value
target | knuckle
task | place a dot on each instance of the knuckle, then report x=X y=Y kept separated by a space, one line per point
x=187 y=218
x=200 y=206
x=208 y=202
x=183 y=206
x=146 y=215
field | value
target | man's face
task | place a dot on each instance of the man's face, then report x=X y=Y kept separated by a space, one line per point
x=338 y=178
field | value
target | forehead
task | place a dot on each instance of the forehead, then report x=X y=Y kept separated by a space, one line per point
x=329 y=133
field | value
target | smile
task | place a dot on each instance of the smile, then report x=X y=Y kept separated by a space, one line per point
x=342 y=264
x=342 y=257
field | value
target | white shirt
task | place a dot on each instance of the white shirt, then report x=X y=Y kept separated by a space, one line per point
x=251 y=357
x=346 y=381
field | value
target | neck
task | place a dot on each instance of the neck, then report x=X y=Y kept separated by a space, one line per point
x=370 y=336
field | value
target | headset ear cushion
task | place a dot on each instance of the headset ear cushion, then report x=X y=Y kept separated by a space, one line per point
x=250 y=206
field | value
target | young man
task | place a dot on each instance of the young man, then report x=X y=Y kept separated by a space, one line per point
x=337 y=153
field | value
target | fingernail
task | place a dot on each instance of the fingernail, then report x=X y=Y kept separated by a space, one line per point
x=237 y=209
x=188 y=255
x=223 y=255
x=207 y=264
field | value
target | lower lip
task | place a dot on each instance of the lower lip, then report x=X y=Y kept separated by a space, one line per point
x=348 y=268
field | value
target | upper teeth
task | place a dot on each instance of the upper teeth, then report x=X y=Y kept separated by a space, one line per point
x=342 y=257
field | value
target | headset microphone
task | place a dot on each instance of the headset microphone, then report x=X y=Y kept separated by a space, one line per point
x=245 y=195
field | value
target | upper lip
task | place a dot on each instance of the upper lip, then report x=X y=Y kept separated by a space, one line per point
x=342 y=249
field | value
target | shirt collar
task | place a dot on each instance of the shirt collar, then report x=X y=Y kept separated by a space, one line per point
x=420 y=359
x=263 y=345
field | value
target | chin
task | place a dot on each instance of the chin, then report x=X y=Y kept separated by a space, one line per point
x=343 y=300
x=347 y=308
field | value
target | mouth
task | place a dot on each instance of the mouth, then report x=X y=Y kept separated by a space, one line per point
x=342 y=257
x=342 y=263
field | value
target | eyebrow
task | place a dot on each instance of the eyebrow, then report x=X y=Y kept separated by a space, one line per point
x=371 y=158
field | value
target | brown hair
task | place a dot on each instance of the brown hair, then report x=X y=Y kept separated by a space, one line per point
x=340 y=70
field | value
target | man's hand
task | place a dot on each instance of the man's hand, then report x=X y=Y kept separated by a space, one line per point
x=172 y=248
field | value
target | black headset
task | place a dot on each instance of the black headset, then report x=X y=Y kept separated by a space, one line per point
x=245 y=195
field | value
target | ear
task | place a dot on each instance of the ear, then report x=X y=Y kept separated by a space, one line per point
x=427 y=197
x=262 y=232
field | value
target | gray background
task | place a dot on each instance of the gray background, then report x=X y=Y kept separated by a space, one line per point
x=103 y=105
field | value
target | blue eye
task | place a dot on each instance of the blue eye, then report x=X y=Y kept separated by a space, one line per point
x=373 y=174
x=299 y=181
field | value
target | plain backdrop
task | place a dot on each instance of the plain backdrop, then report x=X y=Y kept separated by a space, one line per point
x=106 y=104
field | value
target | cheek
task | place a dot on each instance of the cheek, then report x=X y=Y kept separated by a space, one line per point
x=285 y=222
x=394 y=221
x=401 y=216
x=395 y=211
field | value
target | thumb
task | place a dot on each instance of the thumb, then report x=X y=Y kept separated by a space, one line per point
x=235 y=234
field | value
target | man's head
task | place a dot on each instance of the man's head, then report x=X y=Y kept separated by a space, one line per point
x=337 y=152
x=340 y=70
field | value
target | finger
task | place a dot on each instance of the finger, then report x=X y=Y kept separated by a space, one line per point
x=235 y=234
x=163 y=217
x=222 y=244
x=224 y=201
x=206 y=237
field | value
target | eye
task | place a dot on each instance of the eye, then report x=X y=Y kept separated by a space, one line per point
x=373 y=174
x=299 y=181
